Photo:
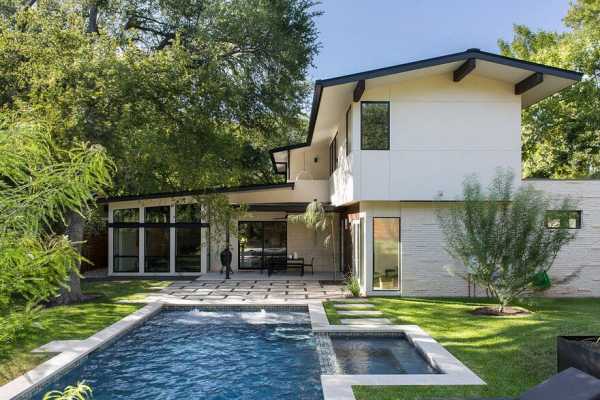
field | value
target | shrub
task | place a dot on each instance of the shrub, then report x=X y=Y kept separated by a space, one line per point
x=500 y=236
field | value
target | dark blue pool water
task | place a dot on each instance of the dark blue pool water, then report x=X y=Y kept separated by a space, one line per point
x=357 y=355
x=208 y=356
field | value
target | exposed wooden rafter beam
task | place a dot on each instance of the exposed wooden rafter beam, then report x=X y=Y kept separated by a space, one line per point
x=358 y=90
x=464 y=70
x=528 y=83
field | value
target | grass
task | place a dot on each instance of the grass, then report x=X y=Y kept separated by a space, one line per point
x=77 y=321
x=510 y=354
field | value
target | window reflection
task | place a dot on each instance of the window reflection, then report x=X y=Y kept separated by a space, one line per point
x=188 y=249
x=386 y=253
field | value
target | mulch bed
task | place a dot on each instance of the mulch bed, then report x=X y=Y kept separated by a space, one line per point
x=506 y=312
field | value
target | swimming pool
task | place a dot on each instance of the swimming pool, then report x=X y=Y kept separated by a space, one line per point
x=212 y=355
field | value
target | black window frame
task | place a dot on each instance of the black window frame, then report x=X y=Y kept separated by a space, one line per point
x=348 y=149
x=578 y=219
x=333 y=161
x=399 y=289
x=264 y=264
x=362 y=127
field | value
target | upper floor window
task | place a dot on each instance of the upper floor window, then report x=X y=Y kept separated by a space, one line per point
x=559 y=219
x=375 y=125
x=333 y=155
x=348 y=131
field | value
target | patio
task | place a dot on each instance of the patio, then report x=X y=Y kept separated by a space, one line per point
x=251 y=287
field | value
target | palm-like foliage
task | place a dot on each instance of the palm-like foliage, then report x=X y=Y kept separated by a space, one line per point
x=39 y=183
x=500 y=236
x=79 y=392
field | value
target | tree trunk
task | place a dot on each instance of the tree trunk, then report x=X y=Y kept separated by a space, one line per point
x=92 y=25
x=75 y=233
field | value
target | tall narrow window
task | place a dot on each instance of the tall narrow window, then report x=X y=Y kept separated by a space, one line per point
x=349 y=130
x=156 y=239
x=333 y=155
x=386 y=253
x=188 y=238
x=126 y=240
x=375 y=125
x=125 y=249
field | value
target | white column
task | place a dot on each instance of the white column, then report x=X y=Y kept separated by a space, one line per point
x=110 y=242
x=172 y=240
x=141 y=244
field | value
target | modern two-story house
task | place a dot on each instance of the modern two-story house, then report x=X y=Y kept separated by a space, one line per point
x=384 y=149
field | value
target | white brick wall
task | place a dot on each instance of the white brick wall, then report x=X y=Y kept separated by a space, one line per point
x=424 y=257
x=583 y=253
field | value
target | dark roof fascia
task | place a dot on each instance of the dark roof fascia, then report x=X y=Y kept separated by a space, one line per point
x=432 y=62
x=161 y=195
x=285 y=207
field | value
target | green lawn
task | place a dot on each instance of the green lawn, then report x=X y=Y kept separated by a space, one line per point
x=510 y=354
x=74 y=322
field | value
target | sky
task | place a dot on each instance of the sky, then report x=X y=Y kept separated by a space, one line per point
x=358 y=35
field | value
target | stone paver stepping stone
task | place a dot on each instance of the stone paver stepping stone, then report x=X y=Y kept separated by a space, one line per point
x=357 y=305
x=366 y=313
x=366 y=321
x=352 y=300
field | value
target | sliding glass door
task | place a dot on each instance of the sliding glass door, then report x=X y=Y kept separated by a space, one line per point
x=386 y=253
x=260 y=242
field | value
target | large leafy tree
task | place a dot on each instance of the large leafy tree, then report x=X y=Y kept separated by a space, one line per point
x=40 y=183
x=561 y=134
x=182 y=94
x=499 y=235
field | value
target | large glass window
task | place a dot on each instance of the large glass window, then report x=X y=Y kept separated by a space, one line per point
x=261 y=242
x=188 y=249
x=188 y=213
x=559 y=219
x=386 y=253
x=126 y=215
x=157 y=215
x=375 y=125
x=126 y=249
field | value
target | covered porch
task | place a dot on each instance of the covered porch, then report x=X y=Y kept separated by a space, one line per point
x=167 y=235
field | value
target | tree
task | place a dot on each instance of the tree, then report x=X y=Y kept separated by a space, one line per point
x=39 y=184
x=317 y=219
x=500 y=236
x=561 y=134
x=182 y=94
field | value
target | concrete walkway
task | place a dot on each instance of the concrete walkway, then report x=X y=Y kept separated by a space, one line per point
x=362 y=311
x=251 y=291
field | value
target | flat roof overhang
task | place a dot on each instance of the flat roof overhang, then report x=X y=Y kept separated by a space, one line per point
x=198 y=192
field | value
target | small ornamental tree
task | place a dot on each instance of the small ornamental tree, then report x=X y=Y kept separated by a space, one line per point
x=500 y=235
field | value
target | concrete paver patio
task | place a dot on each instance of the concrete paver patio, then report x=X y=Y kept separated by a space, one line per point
x=251 y=291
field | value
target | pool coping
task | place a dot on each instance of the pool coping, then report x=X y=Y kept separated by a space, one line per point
x=339 y=387
x=335 y=387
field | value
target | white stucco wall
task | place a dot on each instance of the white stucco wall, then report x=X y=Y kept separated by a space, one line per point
x=440 y=131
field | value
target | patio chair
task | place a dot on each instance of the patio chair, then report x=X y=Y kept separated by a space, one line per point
x=311 y=265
